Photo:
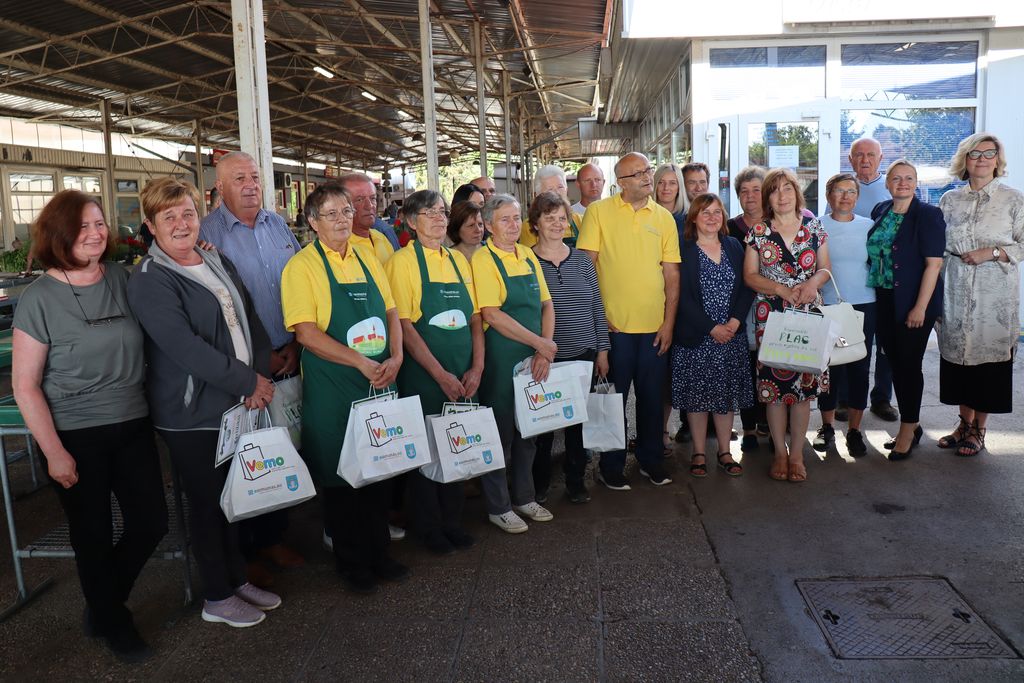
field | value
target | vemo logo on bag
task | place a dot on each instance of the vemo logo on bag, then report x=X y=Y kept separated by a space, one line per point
x=380 y=432
x=255 y=465
x=537 y=398
x=459 y=441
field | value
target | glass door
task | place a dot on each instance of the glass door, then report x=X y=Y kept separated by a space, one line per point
x=789 y=142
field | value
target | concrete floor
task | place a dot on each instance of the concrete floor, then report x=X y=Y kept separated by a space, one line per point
x=692 y=581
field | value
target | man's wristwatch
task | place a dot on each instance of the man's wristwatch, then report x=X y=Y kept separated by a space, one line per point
x=995 y=254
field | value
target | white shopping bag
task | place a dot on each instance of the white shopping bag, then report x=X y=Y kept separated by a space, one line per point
x=266 y=474
x=798 y=340
x=463 y=446
x=286 y=407
x=383 y=438
x=605 y=428
x=556 y=403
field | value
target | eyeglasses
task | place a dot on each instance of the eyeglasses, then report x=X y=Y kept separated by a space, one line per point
x=846 y=193
x=97 y=322
x=433 y=213
x=334 y=216
x=647 y=171
x=976 y=154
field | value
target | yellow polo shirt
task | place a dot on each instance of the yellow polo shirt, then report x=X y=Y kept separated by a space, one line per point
x=631 y=247
x=528 y=238
x=490 y=288
x=376 y=244
x=407 y=286
x=306 y=292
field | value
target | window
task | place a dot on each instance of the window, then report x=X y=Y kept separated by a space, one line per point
x=909 y=71
x=29 y=193
x=927 y=137
x=88 y=184
x=772 y=73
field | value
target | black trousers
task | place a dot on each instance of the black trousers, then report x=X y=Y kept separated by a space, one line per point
x=905 y=348
x=358 y=522
x=257 y=533
x=436 y=507
x=119 y=458
x=755 y=414
x=215 y=541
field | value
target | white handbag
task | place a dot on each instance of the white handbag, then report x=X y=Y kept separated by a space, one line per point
x=851 y=345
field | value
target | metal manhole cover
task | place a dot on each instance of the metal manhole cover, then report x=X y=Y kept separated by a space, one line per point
x=912 y=618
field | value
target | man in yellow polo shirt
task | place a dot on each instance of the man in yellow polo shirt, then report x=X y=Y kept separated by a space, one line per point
x=364 y=201
x=635 y=247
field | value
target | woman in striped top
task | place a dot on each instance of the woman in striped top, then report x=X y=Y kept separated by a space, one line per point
x=581 y=330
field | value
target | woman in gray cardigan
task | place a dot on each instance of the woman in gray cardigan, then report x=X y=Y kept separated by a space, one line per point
x=206 y=350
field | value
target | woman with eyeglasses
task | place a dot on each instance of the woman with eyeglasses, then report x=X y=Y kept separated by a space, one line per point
x=337 y=300
x=709 y=348
x=77 y=375
x=981 y=286
x=443 y=336
x=205 y=348
x=848 y=246
x=581 y=331
x=516 y=307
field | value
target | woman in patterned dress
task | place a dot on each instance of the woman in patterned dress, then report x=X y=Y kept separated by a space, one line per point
x=785 y=253
x=981 y=282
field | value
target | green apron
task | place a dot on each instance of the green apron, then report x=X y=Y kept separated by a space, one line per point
x=328 y=389
x=571 y=241
x=522 y=303
x=445 y=311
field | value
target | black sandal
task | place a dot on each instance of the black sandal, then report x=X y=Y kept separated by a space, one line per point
x=957 y=437
x=733 y=469
x=698 y=469
x=969 y=448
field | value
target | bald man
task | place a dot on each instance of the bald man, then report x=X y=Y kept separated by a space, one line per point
x=486 y=186
x=590 y=181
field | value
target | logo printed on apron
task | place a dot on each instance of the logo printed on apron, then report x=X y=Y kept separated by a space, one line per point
x=368 y=336
x=452 y=319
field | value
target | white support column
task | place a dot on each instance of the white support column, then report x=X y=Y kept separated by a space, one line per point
x=108 y=164
x=200 y=180
x=523 y=192
x=429 y=113
x=506 y=97
x=305 y=177
x=481 y=99
x=251 y=86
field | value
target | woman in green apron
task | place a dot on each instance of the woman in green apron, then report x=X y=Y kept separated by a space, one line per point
x=515 y=304
x=443 y=335
x=338 y=302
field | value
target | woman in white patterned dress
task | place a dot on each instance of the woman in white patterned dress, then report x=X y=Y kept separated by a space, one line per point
x=980 y=322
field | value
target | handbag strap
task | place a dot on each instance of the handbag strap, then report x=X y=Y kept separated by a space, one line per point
x=832 y=279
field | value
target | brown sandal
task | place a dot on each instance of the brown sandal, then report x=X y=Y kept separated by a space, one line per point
x=779 y=473
x=961 y=432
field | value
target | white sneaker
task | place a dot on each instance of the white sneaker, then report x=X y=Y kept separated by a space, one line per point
x=397 y=532
x=534 y=511
x=328 y=542
x=510 y=522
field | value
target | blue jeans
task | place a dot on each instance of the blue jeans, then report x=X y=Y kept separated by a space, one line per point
x=851 y=379
x=634 y=361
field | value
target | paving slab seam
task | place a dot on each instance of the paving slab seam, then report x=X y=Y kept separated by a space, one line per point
x=601 y=675
x=300 y=673
x=728 y=584
x=464 y=622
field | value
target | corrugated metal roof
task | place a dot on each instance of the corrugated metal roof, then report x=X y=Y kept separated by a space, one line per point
x=165 y=64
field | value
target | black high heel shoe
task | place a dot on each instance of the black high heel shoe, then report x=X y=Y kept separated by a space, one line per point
x=918 y=433
x=895 y=455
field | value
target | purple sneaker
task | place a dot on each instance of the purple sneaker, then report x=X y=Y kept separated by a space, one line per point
x=258 y=598
x=233 y=611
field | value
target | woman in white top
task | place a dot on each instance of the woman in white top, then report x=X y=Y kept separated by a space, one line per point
x=848 y=242
x=980 y=325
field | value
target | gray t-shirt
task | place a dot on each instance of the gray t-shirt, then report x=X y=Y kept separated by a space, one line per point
x=94 y=373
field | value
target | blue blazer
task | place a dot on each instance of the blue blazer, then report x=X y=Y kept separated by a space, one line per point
x=922 y=234
x=692 y=323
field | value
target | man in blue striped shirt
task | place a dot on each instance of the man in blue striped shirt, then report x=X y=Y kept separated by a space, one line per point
x=259 y=244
